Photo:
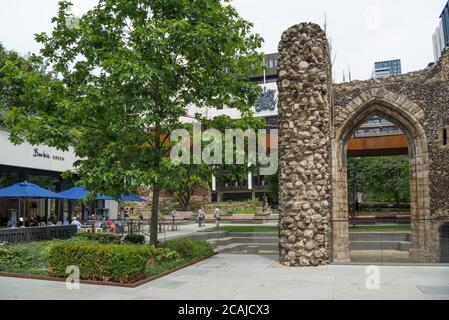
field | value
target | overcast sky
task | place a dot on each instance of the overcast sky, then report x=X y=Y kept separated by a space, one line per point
x=361 y=31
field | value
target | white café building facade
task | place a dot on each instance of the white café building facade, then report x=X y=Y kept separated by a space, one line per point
x=43 y=166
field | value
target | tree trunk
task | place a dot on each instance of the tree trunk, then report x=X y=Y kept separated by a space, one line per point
x=156 y=188
x=187 y=200
x=154 y=215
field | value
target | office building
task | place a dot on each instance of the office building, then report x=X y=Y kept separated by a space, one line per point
x=441 y=35
x=387 y=68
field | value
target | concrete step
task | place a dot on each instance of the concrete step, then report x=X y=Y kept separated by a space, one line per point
x=382 y=256
x=230 y=240
x=380 y=245
x=253 y=235
x=379 y=236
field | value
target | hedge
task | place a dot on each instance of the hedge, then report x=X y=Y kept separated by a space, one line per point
x=105 y=238
x=189 y=249
x=118 y=263
x=123 y=263
x=135 y=238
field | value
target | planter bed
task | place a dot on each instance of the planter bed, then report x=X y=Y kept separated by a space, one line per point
x=100 y=259
x=135 y=284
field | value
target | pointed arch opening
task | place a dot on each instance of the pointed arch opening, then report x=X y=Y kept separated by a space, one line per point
x=418 y=175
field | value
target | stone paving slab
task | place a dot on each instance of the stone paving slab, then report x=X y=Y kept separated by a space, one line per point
x=229 y=277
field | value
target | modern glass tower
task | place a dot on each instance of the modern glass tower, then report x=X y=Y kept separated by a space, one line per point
x=441 y=34
x=387 y=68
x=445 y=18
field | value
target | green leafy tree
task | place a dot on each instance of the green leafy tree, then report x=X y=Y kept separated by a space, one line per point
x=13 y=86
x=124 y=74
x=381 y=179
x=184 y=179
x=235 y=172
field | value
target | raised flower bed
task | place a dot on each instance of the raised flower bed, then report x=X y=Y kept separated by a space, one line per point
x=101 y=260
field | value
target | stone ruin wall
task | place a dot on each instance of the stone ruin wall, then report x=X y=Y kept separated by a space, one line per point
x=305 y=159
x=424 y=95
x=312 y=110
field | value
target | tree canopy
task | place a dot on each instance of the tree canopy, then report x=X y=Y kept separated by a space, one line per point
x=123 y=74
x=381 y=179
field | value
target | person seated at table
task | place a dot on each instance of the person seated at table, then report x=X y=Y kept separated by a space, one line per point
x=33 y=222
x=76 y=223
x=110 y=226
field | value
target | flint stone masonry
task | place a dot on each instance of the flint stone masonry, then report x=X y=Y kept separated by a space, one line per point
x=419 y=103
x=305 y=161
x=317 y=119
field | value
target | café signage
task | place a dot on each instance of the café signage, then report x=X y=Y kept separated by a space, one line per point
x=45 y=155
x=39 y=157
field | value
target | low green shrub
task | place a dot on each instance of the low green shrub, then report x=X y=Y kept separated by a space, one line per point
x=119 y=263
x=6 y=252
x=28 y=258
x=154 y=269
x=104 y=238
x=174 y=253
x=161 y=255
x=189 y=249
x=127 y=262
x=135 y=238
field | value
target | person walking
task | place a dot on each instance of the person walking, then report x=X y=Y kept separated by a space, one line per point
x=217 y=216
x=173 y=215
x=201 y=216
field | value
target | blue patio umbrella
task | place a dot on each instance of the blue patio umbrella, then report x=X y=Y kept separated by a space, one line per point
x=79 y=193
x=27 y=190
x=130 y=198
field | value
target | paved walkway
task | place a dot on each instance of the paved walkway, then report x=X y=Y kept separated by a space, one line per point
x=228 y=277
x=184 y=230
x=192 y=228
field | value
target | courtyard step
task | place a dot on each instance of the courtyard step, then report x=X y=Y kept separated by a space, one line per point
x=379 y=256
x=233 y=240
x=379 y=236
x=381 y=245
x=255 y=248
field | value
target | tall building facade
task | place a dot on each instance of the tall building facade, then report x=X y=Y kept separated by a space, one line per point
x=387 y=68
x=441 y=34
x=256 y=186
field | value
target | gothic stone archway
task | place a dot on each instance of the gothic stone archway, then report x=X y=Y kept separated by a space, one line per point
x=406 y=115
x=316 y=120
